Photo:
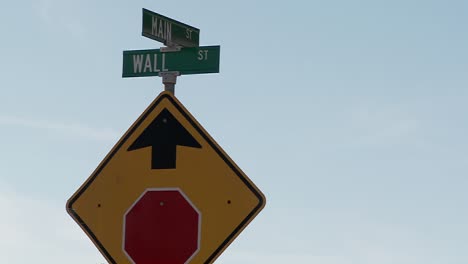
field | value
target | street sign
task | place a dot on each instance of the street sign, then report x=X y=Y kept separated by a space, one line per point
x=166 y=193
x=169 y=31
x=143 y=63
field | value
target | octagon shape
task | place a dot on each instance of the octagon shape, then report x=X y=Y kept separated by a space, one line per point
x=161 y=227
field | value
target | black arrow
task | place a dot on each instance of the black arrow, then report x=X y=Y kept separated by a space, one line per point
x=163 y=135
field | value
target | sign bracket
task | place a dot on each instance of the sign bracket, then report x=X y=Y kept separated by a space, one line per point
x=170 y=48
x=169 y=80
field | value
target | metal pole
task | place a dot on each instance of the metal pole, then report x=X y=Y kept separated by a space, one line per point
x=170 y=87
x=169 y=80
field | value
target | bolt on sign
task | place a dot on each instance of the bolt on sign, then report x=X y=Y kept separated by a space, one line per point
x=166 y=193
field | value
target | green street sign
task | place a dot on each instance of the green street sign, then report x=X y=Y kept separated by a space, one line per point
x=143 y=63
x=167 y=30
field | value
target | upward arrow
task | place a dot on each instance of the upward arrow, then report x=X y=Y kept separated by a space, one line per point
x=163 y=135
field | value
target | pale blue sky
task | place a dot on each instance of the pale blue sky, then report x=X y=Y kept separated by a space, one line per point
x=351 y=117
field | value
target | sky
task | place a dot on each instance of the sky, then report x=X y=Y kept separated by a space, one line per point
x=350 y=116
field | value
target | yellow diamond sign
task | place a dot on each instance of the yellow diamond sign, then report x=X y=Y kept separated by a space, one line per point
x=166 y=193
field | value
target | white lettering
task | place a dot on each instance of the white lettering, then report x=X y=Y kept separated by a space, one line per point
x=161 y=28
x=161 y=32
x=188 y=34
x=147 y=63
x=164 y=63
x=155 y=65
x=154 y=27
x=137 y=63
x=168 y=31
x=202 y=55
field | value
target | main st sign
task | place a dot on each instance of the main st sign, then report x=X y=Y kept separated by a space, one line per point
x=166 y=193
x=168 y=30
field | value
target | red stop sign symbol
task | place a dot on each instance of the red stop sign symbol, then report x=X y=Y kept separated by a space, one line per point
x=162 y=227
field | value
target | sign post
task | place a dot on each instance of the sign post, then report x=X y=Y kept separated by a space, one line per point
x=166 y=192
